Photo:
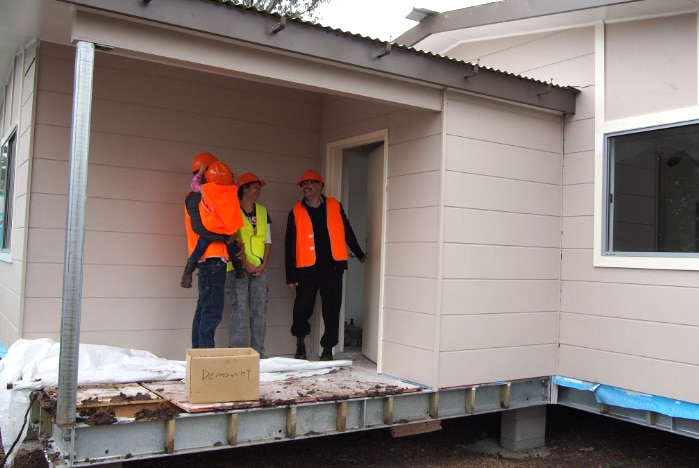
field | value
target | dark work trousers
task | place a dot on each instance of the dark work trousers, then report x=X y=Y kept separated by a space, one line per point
x=329 y=281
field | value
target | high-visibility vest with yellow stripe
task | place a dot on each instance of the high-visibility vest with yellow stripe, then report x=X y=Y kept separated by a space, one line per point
x=305 y=242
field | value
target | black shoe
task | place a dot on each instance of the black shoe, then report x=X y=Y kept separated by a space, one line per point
x=327 y=354
x=186 y=281
x=300 y=351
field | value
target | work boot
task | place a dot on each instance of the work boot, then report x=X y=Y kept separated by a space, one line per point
x=327 y=354
x=300 y=351
x=186 y=280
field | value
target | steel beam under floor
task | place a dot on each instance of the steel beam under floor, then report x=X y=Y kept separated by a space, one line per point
x=129 y=439
x=585 y=400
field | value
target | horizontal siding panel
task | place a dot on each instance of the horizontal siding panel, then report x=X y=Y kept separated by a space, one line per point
x=461 y=297
x=207 y=130
x=578 y=71
x=50 y=176
x=499 y=160
x=577 y=266
x=523 y=53
x=469 y=332
x=580 y=136
x=11 y=276
x=401 y=226
x=639 y=374
x=578 y=200
x=482 y=366
x=577 y=232
x=409 y=125
x=409 y=328
x=11 y=308
x=43 y=314
x=498 y=262
x=579 y=168
x=228 y=99
x=485 y=120
x=411 y=259
x=651 y=303
x=415 y=156
x=127 y=281
x=495 y=194
x=403 y=193
x=341 y=112
x=667 y=342
x=49 y=212
x=413 y=364
x=498 y=228
x=129 y=249
x=410 y=294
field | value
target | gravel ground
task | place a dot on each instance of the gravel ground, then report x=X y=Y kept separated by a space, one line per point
x=574 y=439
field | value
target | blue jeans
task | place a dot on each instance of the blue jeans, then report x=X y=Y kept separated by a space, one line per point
x=248 y=294
x=212 y=281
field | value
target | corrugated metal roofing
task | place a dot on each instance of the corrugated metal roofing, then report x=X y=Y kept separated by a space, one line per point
x=378 y=42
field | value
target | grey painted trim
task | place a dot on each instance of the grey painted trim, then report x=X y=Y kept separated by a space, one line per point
x=315 y=42
x=499 y=12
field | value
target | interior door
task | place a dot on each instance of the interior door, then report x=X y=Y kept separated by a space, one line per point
x=372 y=272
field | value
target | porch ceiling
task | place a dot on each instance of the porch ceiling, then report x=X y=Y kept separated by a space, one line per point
x=22 y=21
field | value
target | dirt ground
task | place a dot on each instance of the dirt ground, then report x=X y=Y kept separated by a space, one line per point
x=574 y=439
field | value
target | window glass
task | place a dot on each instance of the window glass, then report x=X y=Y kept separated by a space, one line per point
x=653 y=197
x=6 y=170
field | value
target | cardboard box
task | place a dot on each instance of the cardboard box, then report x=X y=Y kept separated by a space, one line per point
x=217 y=375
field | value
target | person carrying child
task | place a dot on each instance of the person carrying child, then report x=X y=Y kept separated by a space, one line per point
x=220 y=213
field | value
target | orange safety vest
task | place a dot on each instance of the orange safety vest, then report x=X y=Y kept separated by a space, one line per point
x=305 y=243
x=215 y=249
x=220 y=208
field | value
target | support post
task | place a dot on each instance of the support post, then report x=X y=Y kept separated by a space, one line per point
x=523 y=428
x=75 y=235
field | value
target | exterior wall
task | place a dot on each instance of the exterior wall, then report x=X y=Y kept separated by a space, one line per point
x=634 y=328
x=148 y=121
x=671 y=43
x=17 y=111
x=409 y=341
x=501 y=245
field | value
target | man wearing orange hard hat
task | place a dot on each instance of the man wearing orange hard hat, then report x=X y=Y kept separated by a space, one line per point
x=317 y=235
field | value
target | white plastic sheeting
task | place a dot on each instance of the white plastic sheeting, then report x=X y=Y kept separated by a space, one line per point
x=33 y=364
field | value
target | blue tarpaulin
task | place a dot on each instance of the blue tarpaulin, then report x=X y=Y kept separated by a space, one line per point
x=634 y=400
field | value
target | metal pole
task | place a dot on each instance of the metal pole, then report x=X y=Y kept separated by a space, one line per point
x=75 y=235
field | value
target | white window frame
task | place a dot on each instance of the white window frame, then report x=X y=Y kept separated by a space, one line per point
x=7 y=215
x=603 y=128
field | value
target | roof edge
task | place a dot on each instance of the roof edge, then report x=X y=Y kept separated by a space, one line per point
x=315 y=42
x=497 y=12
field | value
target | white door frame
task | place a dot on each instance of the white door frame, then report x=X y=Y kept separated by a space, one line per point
x=333 y=188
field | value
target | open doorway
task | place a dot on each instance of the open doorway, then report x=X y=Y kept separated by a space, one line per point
x=356 y=169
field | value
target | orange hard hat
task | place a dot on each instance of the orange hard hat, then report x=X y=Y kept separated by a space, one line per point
x=219 y=173
x=202 y=158
x=311 y=175
x=249 y=178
